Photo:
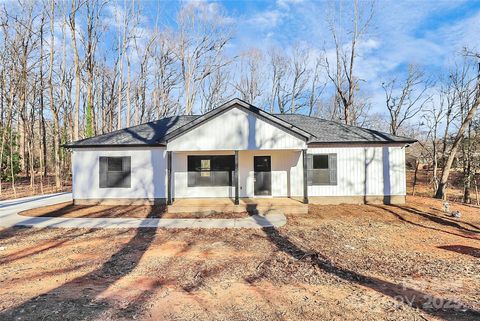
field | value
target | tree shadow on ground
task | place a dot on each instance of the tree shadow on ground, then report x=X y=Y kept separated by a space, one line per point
x=462 y=249
x=397 y=292
x=86 y=304
x=97 y=211
x=453 y=220
x=41 y=247
x=436 y=219
x=400 y=217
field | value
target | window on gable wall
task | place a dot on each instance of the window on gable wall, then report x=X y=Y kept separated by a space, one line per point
x=322 y=169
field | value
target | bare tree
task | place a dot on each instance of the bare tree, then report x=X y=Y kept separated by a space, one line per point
x=201 y=42
x=432 y=119
x=94 y=9
x=123 y=42
x=10 y=56
x=54 y=108
x=250 y=82
x=279 y=75
x=317 y=86
x=343 y=76
x=470 y=111
x=41 y=115
x=467 y=155
x=166 y=76
x=300 y=77
x=145 y=53
x=406 y=99
x=78 y=67
x=214 y=90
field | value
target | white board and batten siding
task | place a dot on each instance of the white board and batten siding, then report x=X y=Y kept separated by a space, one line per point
x=361 y=171
x=286 y=177
x=236 y=129
x=148 y=173
x=365 y=171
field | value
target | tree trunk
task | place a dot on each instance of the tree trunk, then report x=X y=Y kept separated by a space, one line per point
x=53 y=108
x=7 y=129
x=456 y=143
x=76 y=61
x=43 y=132
x=417 y=165
x=476 y=192
x=11 y=165
x=128 y=91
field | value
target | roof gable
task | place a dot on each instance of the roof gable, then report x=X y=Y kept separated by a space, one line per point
x=238 y=103
x=236 y=128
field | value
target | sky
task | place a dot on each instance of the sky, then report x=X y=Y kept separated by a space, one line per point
x=427 y=33
x=430 y=34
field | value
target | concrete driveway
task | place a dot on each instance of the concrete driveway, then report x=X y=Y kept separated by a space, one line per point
x=9 y=217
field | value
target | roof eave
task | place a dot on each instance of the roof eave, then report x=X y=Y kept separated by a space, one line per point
x=73 y=146
x=313 y=144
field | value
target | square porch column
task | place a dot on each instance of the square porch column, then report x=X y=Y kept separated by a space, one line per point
x=235 y=179
x=169 y=178
x=305 y=178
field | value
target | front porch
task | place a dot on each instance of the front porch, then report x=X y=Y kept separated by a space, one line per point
x=260 y=206
x=263 y=178
x=237 y=153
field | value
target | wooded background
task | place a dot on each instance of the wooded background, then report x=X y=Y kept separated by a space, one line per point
x=75 y=69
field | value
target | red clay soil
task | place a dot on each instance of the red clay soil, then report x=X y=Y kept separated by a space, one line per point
x=346 y=262
x=454 y=191
x=68 y=209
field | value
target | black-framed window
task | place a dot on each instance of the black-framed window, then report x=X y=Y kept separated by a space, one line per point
x=210 y=170
x=115 y=172
x=322 y=169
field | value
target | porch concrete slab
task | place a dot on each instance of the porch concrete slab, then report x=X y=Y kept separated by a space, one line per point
x=252 y=205
x=9 y=217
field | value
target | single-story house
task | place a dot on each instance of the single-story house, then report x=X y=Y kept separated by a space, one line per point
x=240 y=151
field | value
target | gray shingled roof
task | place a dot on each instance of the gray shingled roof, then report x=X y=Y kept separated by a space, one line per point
x=326 y=131
x=144 y=134
x=321 y=131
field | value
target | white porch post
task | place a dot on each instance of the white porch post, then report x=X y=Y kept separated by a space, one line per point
x=169 y=177
x=235 y=179
x=305 y=178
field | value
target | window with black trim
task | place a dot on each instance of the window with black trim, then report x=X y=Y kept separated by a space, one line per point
x=322 y=169
x=209 y=170
x=115 y=172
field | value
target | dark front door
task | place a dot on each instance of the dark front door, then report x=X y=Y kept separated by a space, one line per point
x=263 y=175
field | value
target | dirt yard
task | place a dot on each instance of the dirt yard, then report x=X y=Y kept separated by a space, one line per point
x=454 y=191
x=347 y=262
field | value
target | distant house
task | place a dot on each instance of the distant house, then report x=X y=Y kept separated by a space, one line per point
x=240 y=151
